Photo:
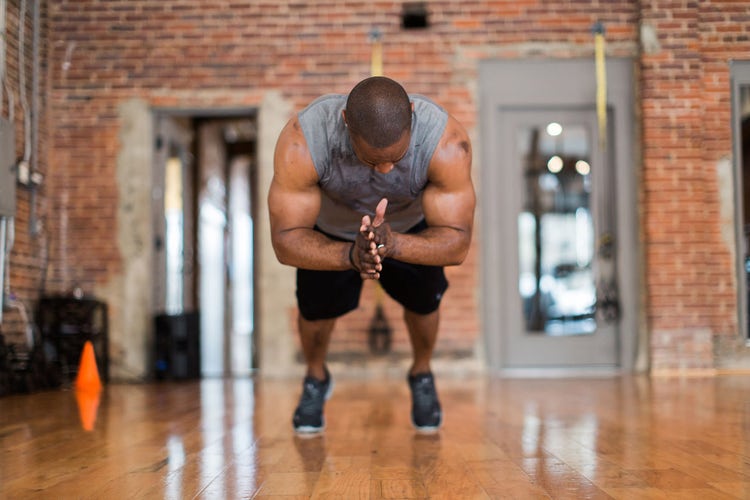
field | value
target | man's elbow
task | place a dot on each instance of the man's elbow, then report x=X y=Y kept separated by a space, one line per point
x=459 y=259
x=282 y=255
x=462 y=251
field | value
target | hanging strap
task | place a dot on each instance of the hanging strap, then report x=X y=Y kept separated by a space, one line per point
x=607 y=293
x=376 y=58
x=601 y=83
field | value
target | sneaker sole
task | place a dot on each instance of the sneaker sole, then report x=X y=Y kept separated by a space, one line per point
x=426 y=429
x=307 y=430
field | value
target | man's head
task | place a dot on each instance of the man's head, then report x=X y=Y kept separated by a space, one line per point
x=378 y=116
x=378 y=111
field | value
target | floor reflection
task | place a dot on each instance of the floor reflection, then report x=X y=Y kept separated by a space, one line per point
x=175 y=464
x=425 y=451
x=226 y=462
x=312 y=451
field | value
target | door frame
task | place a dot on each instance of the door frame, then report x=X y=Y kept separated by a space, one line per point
x=528 y=84
x=184 y=124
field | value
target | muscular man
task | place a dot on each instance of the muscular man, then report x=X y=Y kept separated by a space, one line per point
x=373 y=185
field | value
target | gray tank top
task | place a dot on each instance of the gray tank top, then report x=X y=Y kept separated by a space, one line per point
x=351 y=189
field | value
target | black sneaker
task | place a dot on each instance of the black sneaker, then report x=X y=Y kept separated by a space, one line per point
x=426 y=414
x=308 y=417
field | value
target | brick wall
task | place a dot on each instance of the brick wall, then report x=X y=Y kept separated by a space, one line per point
x=193 y=53
x=686 y=131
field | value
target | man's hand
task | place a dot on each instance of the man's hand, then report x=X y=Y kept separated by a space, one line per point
x=371 y=243
x=378 y=232
x=368 y=264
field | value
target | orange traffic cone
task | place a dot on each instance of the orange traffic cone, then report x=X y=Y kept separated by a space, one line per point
x=87 y=378
x=88 y=387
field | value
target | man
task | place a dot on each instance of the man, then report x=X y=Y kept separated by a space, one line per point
x=373 y=185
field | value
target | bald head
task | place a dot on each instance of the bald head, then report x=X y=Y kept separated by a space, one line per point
x=378 y=111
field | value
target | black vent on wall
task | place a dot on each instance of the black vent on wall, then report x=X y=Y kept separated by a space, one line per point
x=414 y=16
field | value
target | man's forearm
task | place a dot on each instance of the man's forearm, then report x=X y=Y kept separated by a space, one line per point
x=434 y=246
x=309 y=249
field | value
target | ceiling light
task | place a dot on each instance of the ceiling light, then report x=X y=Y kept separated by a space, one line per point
x=554 y=129
x=583 y=167
x=555 y=164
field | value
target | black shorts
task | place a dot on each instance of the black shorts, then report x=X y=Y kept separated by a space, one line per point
x=330 y=294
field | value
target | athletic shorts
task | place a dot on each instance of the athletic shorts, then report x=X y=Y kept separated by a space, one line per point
x=330 y=294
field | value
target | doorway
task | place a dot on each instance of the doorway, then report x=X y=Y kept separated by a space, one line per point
x=740 y=73
x=204 y=239
x=559 y=239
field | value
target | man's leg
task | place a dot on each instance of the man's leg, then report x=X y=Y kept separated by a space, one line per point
x=426 y=414
x=317 y=385
x=423 y=329
x=419 y=289
x=315 y=336
x=322 y=296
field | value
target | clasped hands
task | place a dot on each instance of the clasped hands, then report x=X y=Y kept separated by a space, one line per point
x=373 y=243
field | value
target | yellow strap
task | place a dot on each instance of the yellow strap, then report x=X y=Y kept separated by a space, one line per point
x=376 y=62
x=601 y=86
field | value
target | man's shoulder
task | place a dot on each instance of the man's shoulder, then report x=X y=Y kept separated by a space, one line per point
x=427 y=112
x=323 y=114
x=420 y=100
x=327 y=101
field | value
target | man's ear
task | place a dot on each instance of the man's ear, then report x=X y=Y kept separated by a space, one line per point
x=412 y=106
x=343 y=115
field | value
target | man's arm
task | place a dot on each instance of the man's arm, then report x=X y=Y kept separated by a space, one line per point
x=448 y=203
x=294 y=204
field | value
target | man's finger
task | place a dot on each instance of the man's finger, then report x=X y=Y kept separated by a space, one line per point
x=380 y=213
x=365 y=224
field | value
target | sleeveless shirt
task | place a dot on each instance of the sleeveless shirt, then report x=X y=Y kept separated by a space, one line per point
x=350 y=188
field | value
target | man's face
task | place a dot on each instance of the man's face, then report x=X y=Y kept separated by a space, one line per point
x=381 y=159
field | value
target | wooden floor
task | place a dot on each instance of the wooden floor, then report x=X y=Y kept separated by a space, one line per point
x=502 y=438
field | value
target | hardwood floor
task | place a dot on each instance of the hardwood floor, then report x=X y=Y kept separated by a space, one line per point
x=627 y=437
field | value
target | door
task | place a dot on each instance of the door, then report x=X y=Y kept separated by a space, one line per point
x=558 y=206
x=556 y=219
